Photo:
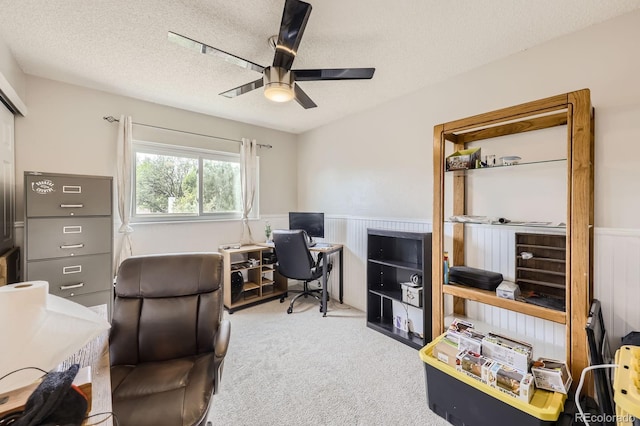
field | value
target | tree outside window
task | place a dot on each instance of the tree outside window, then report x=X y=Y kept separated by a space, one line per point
x=185 y=183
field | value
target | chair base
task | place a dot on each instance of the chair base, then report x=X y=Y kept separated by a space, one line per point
x=306 y=291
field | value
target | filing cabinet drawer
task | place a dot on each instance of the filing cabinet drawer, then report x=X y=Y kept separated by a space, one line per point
x=61 y=237
x=51 y=195
x=95 y=299
x=71 y=276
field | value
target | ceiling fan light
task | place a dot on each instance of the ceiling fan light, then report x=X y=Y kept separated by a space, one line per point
x=278 y=84
x=279 y=92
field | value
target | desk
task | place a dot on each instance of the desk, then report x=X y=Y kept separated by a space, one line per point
x=96 y=355
x=326 y=249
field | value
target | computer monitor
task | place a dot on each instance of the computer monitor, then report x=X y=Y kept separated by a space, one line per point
x=311 y=223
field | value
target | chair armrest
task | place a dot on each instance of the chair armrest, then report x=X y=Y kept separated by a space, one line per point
x=221 y=340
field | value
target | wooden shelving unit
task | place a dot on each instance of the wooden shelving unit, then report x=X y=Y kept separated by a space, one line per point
x=574 y=110
x=262 y=282
x=546 y=271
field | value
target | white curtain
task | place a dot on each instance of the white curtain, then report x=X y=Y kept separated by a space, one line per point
x=248 y=150
x=124 y=190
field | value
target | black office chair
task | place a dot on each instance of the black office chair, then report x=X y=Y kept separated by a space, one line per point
x=296 y=262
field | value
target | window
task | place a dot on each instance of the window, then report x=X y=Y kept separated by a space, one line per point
x=181 y=183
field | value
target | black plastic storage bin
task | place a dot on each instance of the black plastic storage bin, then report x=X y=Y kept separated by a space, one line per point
x=465 y=401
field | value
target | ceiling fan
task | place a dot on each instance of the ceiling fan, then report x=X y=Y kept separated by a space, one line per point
x=279 y=80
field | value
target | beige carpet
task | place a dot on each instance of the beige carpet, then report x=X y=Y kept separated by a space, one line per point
x=303 y=369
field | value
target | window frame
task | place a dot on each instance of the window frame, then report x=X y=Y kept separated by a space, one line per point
x=200 y=154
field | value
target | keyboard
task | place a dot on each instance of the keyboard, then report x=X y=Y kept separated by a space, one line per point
x=322 y=245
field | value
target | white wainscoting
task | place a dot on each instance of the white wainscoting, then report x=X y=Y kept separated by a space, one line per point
x=616 y=271
x=617 y=280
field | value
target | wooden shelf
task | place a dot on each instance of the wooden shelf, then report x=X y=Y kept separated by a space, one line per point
x=574 y=110
x=542 y=283
x=490 y=298
x=546 y=259
x=536 y=246
x=258 y=287
x=250 y=286
x=545 y=273
x=542 y=271
x=502 y=166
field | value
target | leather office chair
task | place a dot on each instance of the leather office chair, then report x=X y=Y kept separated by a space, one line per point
x=296 y=262
x=168 y=340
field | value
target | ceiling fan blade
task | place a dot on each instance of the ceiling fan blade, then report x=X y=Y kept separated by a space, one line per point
x=334 y=74
x=294 y=20
x=303 y=99
x=240 y=90
x=208 y=50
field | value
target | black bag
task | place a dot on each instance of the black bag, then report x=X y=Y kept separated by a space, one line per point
x=237 y=285
x=54 y=402
x=473 y=277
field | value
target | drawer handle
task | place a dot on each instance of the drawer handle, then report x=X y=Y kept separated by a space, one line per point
x=71 y=206
x=72 y=246
x=70 y=286
x=75 y=229
x=72 y=189
x=71 y=269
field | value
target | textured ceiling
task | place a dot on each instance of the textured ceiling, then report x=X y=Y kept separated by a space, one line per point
x=121 y=46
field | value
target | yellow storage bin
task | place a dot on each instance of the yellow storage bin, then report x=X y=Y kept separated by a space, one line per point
x=626 y=386
x=461 y=399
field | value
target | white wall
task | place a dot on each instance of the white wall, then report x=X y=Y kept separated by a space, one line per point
x=378 y=163
x=11 y=71
x=64 y=132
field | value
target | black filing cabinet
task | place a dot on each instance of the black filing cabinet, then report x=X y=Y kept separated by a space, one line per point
x=69 y=235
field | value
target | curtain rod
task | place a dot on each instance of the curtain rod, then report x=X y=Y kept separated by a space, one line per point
x=111 y=119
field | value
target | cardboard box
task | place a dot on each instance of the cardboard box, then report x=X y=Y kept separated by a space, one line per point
x=470 y=340
x=551 y=375
x=412 y=294
x=507 y=351
x=464 y=159
x=508 y=290
x=456 y=328
x=474 y=365
x=466 y=337
x=513 y=382
x=446 y=351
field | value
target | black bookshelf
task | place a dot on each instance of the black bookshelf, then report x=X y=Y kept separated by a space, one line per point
x=393 y=257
